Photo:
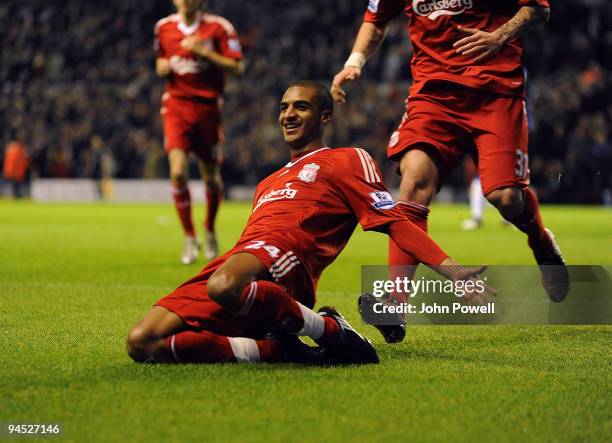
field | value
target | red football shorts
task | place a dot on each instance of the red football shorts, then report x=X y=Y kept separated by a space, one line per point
x=448 y=121
x=193 y=305
x=192 y=125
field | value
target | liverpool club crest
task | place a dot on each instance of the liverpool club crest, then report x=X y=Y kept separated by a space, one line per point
x=308 y=173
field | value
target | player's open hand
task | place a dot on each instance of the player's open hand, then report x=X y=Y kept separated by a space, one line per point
x=347 y=74
x=478 y=293
x=478 y=44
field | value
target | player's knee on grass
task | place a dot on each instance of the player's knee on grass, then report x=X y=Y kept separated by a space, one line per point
x=143 y=345
x=146 y=342
x=508 y=201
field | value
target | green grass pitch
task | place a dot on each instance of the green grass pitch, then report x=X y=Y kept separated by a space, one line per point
x=74 y=278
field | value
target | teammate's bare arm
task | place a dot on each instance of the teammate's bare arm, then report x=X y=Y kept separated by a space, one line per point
x=228 y=64
x=368 y=40
x=483 y=45
x=162 y=66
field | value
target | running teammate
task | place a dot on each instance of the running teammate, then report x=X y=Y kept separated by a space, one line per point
x=467 y=96
x=195 y=53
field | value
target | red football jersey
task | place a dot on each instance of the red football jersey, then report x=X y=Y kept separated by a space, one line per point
x=311 y=206
x=432 y=27
x=191 y=75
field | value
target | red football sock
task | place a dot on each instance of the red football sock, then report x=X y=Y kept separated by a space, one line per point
x=199 y=347
x=269 y=305
x=206 y=347
x=269 y=350
x=417 y=214
x=530 y=222
x=213 y=199
x=182 y=202
x=266 y=303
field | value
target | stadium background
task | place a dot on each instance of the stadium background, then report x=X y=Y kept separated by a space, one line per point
x=79 y=88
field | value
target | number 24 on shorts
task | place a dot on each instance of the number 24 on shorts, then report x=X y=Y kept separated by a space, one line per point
x=273 y=251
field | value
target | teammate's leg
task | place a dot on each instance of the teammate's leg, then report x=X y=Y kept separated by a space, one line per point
x=475 y=196
x=477 y=200
x=419 y=184
x=504 y=173
x=426 y=146
x=420 y=176
x=520 y=207
x=182 y=201
x=208 y=137
x=162 y=337
x=211 y=175
x=511 y=203
x=239 y=288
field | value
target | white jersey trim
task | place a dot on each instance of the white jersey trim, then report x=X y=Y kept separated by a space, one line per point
x=369 y=167
x=290 y=164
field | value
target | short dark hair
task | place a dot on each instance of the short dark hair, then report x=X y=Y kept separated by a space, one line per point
x=324 y=97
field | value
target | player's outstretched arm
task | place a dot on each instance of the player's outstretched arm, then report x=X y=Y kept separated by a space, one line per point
x=359 y=176
x=368 y=39
x=420 y=245
x=412 y=240
x=227 y=64
x=482 y=45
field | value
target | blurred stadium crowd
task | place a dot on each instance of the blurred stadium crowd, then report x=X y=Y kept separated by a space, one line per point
x=80 y=91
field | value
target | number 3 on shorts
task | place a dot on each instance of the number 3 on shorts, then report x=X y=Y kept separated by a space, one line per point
x=273 y=251
x=522 y=164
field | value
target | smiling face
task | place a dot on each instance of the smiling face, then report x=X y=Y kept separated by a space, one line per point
x=300 y=118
